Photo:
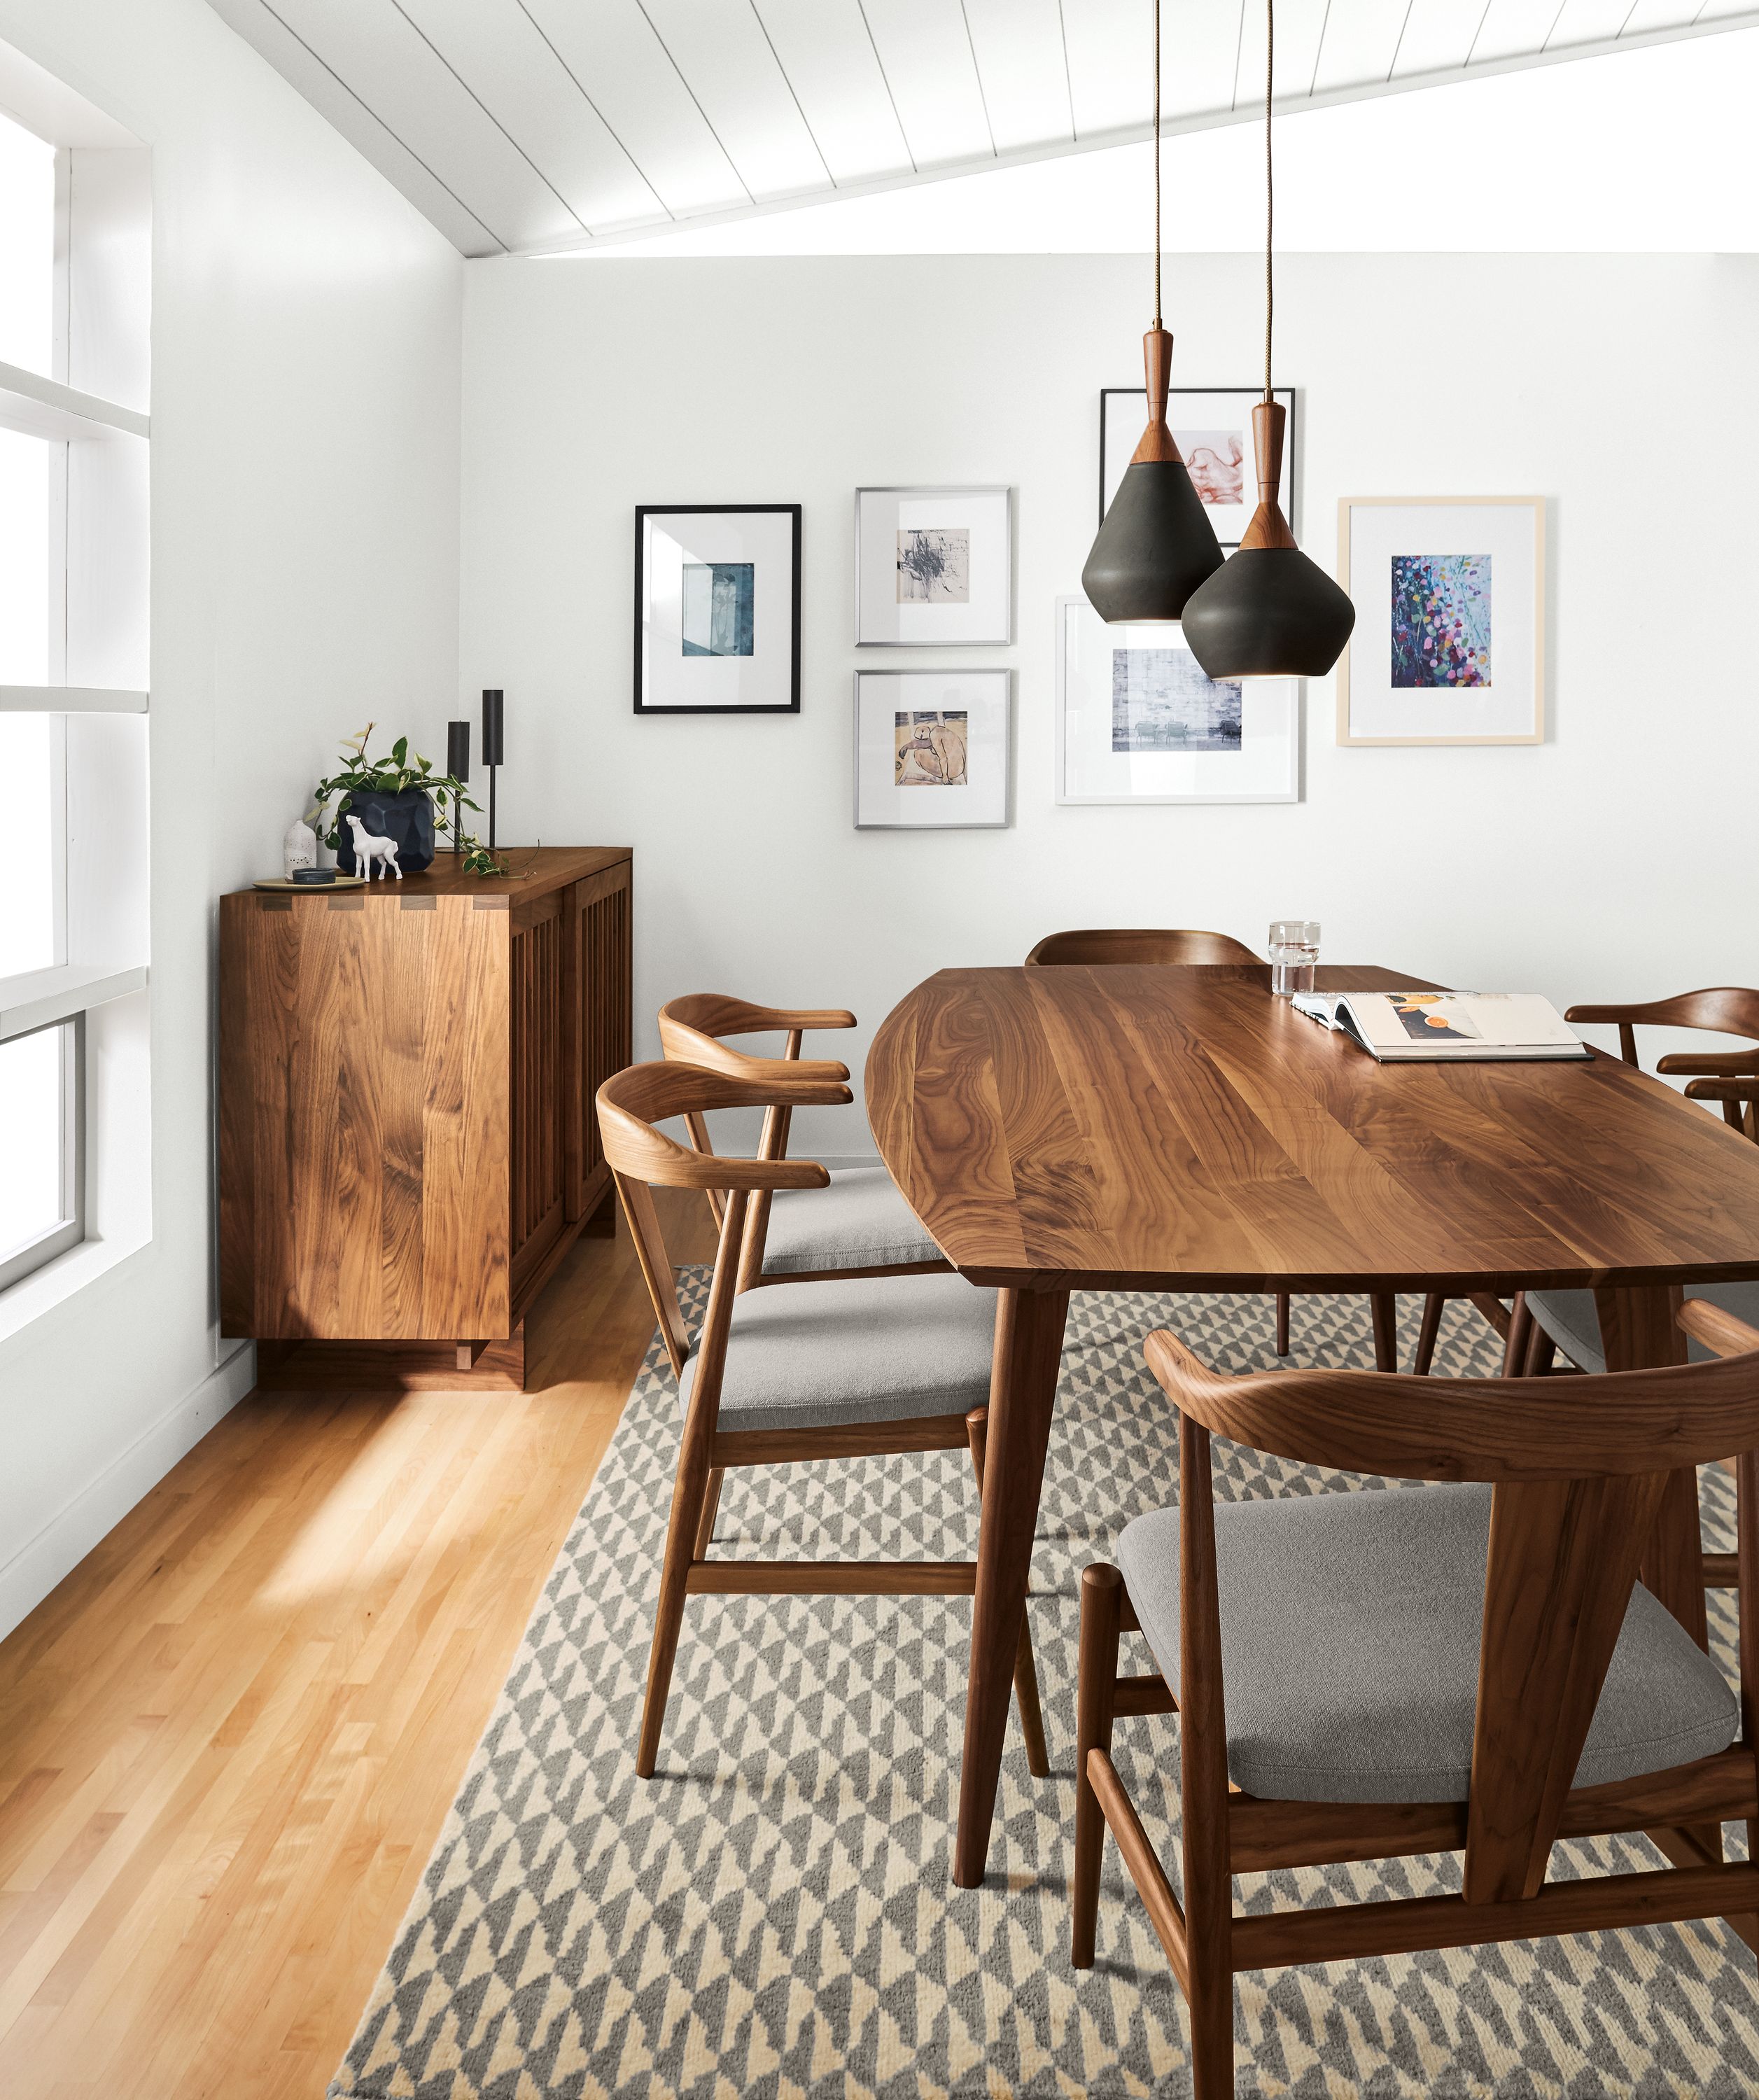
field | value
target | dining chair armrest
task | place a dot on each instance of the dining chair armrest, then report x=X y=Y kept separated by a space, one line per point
x=1723 y=1090
x=1732 y=1064
x=1607 y=1013
x=1718 y=1330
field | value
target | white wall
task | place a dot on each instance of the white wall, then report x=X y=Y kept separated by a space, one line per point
x=305 y=505
x=1612 y=861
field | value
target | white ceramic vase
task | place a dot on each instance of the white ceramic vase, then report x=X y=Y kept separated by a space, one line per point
x=299 y=849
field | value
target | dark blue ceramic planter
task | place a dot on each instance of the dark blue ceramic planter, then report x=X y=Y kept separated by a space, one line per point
x=408 y=818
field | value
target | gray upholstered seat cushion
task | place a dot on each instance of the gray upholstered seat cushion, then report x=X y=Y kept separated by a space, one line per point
x=877 y=1349
x=861 y=1221
x=1350 y=1642
x=1571 y=1319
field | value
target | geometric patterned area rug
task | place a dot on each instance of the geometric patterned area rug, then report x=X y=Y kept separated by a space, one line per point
x=773 y=1914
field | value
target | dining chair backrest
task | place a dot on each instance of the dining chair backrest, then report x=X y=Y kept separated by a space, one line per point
x=1140 y=944
x=1722 y=1010
x=691 y=1029
x=1730 y=1078
x=1578 y=1468
x=642 y=1158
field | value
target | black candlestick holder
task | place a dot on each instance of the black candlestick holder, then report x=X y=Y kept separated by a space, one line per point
x=458 y=765
x=491 y=748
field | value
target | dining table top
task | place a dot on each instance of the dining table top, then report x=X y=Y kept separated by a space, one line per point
x=1179 y=1126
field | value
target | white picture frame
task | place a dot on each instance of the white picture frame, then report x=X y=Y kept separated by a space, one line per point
x=717 y=608
x=1249 y=750
x=1207 y=424
x=934 y=567
x=910 y=727
x=1480 y=561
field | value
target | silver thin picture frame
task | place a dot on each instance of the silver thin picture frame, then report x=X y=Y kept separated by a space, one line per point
x=1005 y=639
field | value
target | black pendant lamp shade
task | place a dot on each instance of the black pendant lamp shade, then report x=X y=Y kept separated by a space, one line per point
x=1268 y=610
x=1157 y=544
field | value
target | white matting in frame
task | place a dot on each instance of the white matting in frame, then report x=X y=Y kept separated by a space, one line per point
x=932 y=749
x=1449 y=645
x=934 y=567
x=717 y=608
x=1212 y=426
x=1137 y=720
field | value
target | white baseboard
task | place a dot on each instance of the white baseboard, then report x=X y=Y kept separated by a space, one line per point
x=68 y=1536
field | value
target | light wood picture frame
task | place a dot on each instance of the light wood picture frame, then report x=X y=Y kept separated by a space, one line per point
x=1449 y=646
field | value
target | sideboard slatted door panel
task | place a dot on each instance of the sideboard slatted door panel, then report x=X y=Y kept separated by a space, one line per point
x=536 y=1075
x=604 y=968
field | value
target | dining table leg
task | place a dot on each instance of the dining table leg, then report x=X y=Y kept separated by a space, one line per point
x=1028 y=1352
x=1639 y=1330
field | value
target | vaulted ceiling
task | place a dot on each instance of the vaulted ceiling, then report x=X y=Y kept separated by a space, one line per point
x=535 y=127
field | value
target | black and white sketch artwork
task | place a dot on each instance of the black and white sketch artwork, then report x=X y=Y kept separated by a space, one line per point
x=934 y=566
x=1161 y=701
x=718 y=601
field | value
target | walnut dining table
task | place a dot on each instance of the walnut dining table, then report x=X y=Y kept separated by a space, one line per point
x=1178 y=1128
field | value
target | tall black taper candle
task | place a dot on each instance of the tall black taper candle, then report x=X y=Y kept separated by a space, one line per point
x=458 y=765
x=491 y=748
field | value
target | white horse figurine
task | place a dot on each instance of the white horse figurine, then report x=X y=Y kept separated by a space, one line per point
x=368 y=849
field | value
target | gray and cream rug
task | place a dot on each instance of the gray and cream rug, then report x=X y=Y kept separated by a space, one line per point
x=774 y=1915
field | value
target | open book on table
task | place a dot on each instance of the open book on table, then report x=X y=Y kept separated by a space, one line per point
x=1445 y=1027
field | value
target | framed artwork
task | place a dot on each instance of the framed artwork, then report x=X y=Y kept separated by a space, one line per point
x=1212 y=426
x=932 y=748
x=934 y=567
x=717 y=609
x=1137 y=720
x=1449 y=645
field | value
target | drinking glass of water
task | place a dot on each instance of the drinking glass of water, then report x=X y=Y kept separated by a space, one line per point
x=1294 y=955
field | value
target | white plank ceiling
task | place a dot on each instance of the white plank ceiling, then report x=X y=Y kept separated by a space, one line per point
x=531 y=126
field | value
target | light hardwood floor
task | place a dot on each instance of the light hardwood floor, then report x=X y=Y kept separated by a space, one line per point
x=229 y=1740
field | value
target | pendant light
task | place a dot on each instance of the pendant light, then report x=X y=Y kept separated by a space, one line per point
x=1156 y=543
x=1268 y=611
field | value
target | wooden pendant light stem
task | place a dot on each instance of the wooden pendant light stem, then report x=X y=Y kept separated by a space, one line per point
x=1269 y=528
x=1158 y=369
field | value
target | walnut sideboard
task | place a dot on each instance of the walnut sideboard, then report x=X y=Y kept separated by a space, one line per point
x=408 y=1146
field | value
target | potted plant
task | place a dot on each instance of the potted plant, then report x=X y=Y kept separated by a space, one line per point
x=400 y=797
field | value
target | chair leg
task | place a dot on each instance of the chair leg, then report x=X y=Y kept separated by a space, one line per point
x=1210 y=2005
x=1541 y=1351
x=1385 y=1309
x=690 y=1510
x=1434 y=1305
x=705 y=1531
x=1282 y=1323
x=1026 y=1668
x=1519 y=1334
x=1102 y=1598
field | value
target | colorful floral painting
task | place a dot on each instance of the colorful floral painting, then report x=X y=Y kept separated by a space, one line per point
x=1440 y=620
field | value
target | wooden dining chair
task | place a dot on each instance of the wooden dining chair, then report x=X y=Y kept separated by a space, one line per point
x=857 y=1367
x=1186 y=944
x=1567 y=1320
x=858 y=1225
x=1140 y=944
x=1374 y=1674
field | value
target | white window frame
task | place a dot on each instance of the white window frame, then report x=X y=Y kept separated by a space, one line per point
x=97 y=693
x=62 y=1238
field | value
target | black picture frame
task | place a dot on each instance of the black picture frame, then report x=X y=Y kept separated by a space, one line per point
x=1288 y=396
x=643 y=512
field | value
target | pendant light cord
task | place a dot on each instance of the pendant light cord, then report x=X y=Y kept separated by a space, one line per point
x=1270 y=186
x=1156 y=163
